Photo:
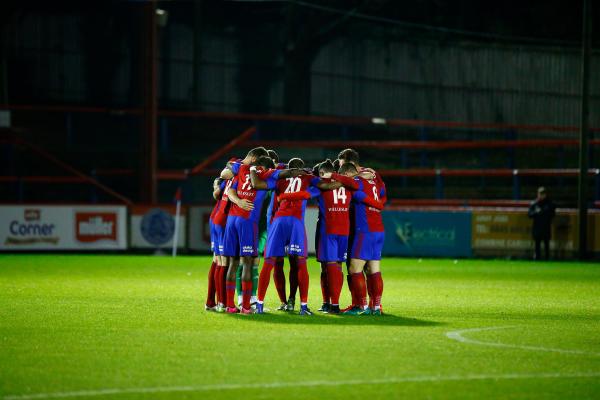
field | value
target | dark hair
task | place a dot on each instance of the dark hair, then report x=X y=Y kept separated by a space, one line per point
x=349 y=155
x=273 y=154
x=315 y=169
x=258 y=152
x=265 y=161
x=326 y=166
x=348 y=167
x=295 y=163
x=336 y=164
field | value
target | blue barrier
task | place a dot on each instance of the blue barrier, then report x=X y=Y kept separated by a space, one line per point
x=435 y=233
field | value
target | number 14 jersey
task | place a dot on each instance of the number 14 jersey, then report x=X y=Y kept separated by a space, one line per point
x=334 y=211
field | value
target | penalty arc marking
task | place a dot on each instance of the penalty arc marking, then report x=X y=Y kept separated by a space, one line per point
x=276 y=385
x=458 y=336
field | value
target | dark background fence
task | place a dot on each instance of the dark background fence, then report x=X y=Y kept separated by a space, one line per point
x=80 y=69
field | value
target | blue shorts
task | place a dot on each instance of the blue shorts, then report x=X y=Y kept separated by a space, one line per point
x=241 y=237
x=318 y=234
x=286 y=235
x=367 y=246
x=332 y=247
x=217 y=233
x=212 y=236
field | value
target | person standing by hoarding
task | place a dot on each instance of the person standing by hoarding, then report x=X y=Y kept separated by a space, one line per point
x=542 y=212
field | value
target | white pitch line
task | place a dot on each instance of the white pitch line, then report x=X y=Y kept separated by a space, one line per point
x=276 y=385
x=458 y=336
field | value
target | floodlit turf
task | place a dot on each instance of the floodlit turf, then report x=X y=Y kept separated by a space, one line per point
x=134 y=327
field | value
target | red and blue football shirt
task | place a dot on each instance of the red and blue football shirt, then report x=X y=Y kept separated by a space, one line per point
x=367 y=218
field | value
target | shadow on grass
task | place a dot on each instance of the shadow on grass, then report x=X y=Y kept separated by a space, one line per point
x=328 y=319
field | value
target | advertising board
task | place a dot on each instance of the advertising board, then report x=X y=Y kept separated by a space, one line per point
x=427 y=233
x=42 y=227
x=508 y=233
x=153 y=227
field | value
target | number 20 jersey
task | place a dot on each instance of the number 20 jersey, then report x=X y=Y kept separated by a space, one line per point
x=293 y=208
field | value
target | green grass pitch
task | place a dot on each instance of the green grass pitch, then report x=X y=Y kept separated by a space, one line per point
x=133 y=327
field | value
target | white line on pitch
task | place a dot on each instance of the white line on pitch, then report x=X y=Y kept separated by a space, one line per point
x=458 y=336
x=276 y=385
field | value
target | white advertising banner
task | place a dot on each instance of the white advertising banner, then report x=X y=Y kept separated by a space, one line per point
x=310 y=222
x=153 y=227
x=40 y=227
x=199 y=228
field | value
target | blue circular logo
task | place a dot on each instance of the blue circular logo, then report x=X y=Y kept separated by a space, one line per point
x=158 y=226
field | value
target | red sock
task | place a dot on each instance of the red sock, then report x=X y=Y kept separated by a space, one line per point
x=370 y=290
x=377 y=288
x=264 y=278
x=230 y=290
x=324 y=285
x=279 y=278
x=303 y=279
x=359 y=287
x=293 y=277
x=210 y=297
x=335 y=281
x=350 y=288
x=218 y=283
x=222 y=284
x=246 y=293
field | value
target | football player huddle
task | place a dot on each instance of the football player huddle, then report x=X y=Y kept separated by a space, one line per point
x=349 y=230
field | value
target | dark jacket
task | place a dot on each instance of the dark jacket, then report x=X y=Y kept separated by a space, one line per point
x=542 y=213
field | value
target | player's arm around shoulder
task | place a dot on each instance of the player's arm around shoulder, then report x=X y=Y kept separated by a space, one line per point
x=328 y=184
x=361 y=197
x=257 y=182
x=290 y=173
x=303 y=195
x=244 y=204
x=231 y=169
x=218 y=186
x=368 y=173
x=347 y=181
x=226 y=173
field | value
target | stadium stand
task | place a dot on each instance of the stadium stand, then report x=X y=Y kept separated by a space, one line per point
x=484 y=164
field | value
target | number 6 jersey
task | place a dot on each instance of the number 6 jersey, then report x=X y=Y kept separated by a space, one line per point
x=367 y=218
